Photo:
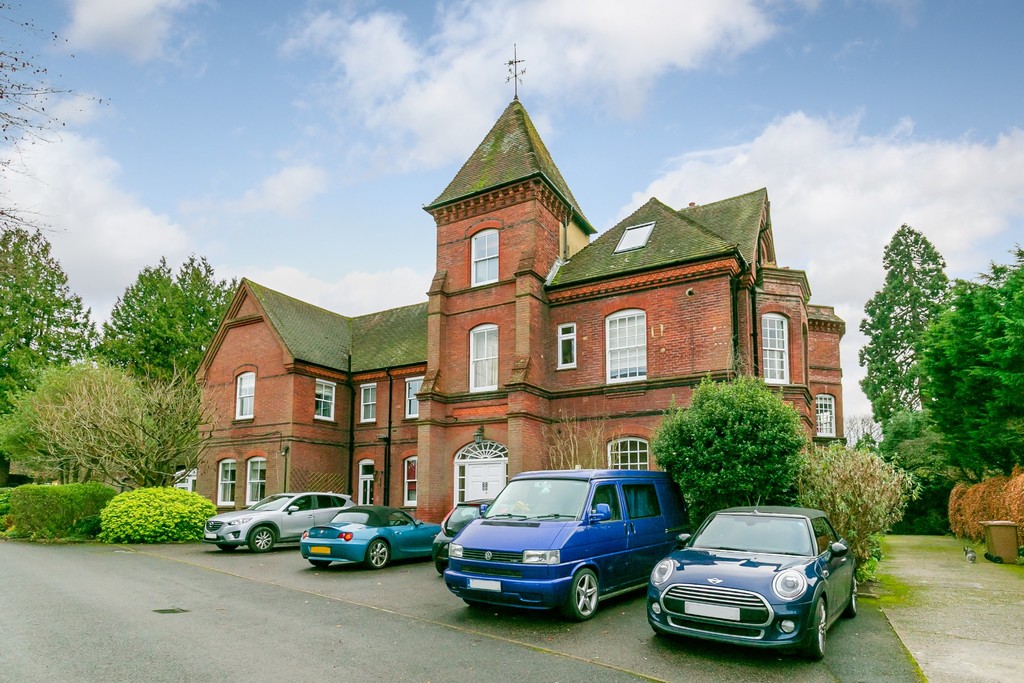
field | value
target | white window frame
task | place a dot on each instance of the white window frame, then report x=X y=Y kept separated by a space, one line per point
x=412 y=404
x=566 y=335
x=485 y=253
x=255 y=488
x=225 y=485
x=320 y=397
x=479 y=338
x=368 y=402
x=825 y=411
x=629 y=453
x=414 y=461
x=634 y=237
x=775 y=348
x=366 y=482
x=626 y=362
x=245 y=396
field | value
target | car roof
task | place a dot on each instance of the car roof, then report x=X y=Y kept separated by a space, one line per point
x=809 y=513
x=587 y=475
x=377 y=514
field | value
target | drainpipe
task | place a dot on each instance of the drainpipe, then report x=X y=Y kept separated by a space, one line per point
x=734 y=285
x=351 y=433
x=387 y=442
x=755 y=325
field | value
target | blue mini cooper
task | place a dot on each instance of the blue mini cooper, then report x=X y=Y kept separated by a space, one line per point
x=759 y=576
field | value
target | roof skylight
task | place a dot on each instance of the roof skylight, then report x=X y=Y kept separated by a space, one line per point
x=634 y=237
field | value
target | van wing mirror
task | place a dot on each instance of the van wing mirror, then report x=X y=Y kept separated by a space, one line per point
x=483 y=508
x=600 y=513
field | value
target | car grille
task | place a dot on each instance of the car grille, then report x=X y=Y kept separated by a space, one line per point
x=488 y=570
x=754 y=610
x=495 y=555
x=213 y=526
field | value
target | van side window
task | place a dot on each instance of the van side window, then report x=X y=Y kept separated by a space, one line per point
x=641 y=500
x=606 y=493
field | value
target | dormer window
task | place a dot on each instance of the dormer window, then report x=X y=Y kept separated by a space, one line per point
x=634 y=237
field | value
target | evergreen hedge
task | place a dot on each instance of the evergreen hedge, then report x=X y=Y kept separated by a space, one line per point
x=51 y=512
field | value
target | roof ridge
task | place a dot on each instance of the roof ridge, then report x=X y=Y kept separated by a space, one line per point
x=256 y=285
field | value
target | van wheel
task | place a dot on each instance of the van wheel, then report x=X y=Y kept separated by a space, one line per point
x=582 y=601
x=262 y=539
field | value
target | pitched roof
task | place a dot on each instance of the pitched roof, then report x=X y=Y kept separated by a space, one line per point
x=315 y=335
x=510 y=152
x=726 y=227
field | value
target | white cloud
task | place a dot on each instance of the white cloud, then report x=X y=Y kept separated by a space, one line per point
x=101 y=235
x=354 y=294
x=285 y=193
x=424 y=97
x=140 y=29
x=837 y=196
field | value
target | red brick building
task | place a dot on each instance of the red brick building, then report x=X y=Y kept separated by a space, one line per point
x=537 y=347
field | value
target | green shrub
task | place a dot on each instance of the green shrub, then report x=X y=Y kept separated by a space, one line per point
x=5 y=508
x=737 y=444
x=155 y=515
x=861 y=493
x=53 y=511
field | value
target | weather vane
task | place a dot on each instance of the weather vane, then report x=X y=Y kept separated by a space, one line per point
x=514 y=72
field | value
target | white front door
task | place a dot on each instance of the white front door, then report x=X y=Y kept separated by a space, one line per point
x=484 y=479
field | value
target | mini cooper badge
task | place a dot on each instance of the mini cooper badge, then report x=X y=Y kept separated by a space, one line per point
x=715 y=581
x=488 y=555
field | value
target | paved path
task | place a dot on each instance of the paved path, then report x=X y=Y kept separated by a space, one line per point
x=961 y=622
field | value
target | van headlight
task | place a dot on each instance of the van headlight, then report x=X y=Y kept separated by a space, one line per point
x=455 y=550
x=542 y=556
x=661 y=572
x=789 y=585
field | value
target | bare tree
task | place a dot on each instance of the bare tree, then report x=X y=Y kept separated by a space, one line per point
x=863 y=432
x=576 y=444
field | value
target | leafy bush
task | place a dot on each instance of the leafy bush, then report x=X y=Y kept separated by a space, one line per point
x=737 y=444
x=5 y=508
x=53 y=511
x=998 y=498
x=861 y=493
x=155 y=515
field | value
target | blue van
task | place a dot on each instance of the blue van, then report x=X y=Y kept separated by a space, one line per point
x=567 y=539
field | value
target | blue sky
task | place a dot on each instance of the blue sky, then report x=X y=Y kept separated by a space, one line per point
x=296 y=142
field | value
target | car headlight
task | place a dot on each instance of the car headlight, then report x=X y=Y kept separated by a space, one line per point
x=661 y=572
x=542 y=556
x=240 y=520
x=789 y=584
x=455 y=550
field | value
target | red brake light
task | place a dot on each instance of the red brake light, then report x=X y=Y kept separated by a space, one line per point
x=345 y=535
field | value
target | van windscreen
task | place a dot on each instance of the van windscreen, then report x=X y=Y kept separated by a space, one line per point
x=540 y=499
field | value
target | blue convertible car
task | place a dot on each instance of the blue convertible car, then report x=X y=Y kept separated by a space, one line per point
x=371 y=534
x=766 y=576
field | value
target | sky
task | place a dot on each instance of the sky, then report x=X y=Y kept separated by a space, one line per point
x=295 y=143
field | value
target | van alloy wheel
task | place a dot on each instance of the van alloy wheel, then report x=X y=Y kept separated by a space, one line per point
x=582 y=601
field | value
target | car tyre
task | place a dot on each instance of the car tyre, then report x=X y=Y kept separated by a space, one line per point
x=582 y=601
x=378 y=554
x=851 y=607
x=440 y=566
x=227 y=547
x=320 y=563
x=814 y=648
x=262 y=539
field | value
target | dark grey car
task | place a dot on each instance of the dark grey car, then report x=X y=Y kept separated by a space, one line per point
x=461 y=515
x=280 y=518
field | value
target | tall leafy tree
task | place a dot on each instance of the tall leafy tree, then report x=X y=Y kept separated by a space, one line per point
x=164 y=322
x=895 y=319
x=42 y=322
x=973 y=356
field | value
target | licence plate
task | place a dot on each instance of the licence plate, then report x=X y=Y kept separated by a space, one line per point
x=319 y=550
x=701 y=609
x=485 y=585
x=210 y=536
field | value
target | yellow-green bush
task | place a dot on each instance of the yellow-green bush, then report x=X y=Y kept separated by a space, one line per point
x=56 y=511
x=155 y=515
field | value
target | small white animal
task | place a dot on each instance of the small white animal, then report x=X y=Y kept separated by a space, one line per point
x=970 y=554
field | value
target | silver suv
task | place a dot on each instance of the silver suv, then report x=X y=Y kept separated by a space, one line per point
x=280 y=518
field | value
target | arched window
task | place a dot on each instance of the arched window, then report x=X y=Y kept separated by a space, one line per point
x=825 y=405
x=485 y=257
x=245 y=395
x=483 y=358
x=626 y=344
x=410 y=481
x=226 y=482
x=629 y=454
x=481 y=471
x=256 y=481
x=775 y=346
x=366 y=482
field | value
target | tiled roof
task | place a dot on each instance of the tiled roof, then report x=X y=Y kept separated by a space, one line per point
x=736 y=220
x=390 y=338
x=510 y=152
x=315 y=335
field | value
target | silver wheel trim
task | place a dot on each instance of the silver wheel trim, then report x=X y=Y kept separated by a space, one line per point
x=262 y=538
x=378 y=554
x=586 y=594
x=822 y=625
